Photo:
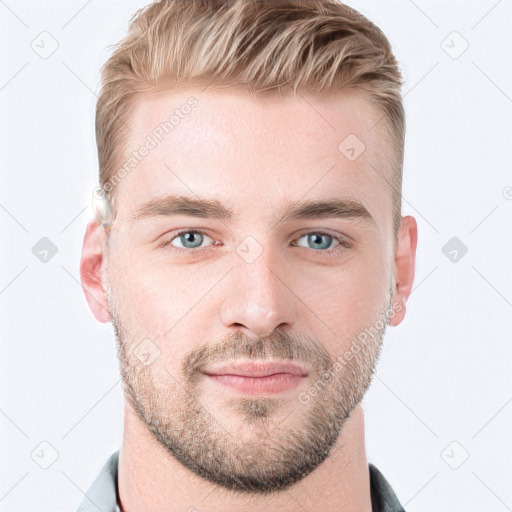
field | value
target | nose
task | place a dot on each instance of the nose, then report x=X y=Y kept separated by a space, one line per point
x=258 y=298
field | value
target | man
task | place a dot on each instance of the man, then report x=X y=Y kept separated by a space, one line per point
x=250 y=251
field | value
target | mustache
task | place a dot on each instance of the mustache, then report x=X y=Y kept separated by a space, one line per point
x=278 y=345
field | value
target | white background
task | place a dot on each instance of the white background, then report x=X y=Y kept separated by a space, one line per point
x=445 y=374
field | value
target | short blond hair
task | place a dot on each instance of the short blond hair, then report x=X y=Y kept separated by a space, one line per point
x=321 y=46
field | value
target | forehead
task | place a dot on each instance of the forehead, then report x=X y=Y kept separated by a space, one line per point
x=252 y=152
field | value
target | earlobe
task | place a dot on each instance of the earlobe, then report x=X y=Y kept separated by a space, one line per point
x=405 y=259
x=91 y=263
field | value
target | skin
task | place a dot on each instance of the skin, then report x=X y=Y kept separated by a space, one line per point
x=184 y=435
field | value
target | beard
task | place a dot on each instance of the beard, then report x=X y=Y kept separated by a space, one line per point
x=261 y=455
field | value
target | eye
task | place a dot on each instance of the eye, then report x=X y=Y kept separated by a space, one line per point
x=191 y=241
x=323 y=242
x=188 y=239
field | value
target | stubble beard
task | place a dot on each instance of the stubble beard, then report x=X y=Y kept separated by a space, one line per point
x=262 y=456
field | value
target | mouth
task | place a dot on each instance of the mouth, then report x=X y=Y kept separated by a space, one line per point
x=256 y=378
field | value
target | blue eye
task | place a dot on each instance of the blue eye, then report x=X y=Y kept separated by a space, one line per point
x=191 y=241
x=322 y=242
x=318 y=240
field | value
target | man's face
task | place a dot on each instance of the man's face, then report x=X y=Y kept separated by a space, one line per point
x=188 y=292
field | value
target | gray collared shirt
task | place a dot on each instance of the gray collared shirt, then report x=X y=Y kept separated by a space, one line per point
x=102 y=494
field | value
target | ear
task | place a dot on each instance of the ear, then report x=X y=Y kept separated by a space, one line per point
x=92 y=263
x=405 y=258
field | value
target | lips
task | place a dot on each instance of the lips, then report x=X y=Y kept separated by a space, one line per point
x=257 y=377
x=257 y=369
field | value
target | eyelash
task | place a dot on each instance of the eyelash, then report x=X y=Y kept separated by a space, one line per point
x=342 y=243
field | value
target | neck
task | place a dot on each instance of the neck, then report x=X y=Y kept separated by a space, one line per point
x=151 y=479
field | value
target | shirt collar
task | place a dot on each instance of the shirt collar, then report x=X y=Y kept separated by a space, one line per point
x=102 y=494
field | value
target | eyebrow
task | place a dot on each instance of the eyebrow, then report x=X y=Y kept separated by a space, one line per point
x=171 y=205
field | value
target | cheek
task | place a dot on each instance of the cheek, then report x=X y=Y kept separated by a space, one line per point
x=145 y=303
x=351 y=300
x=162 y=302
